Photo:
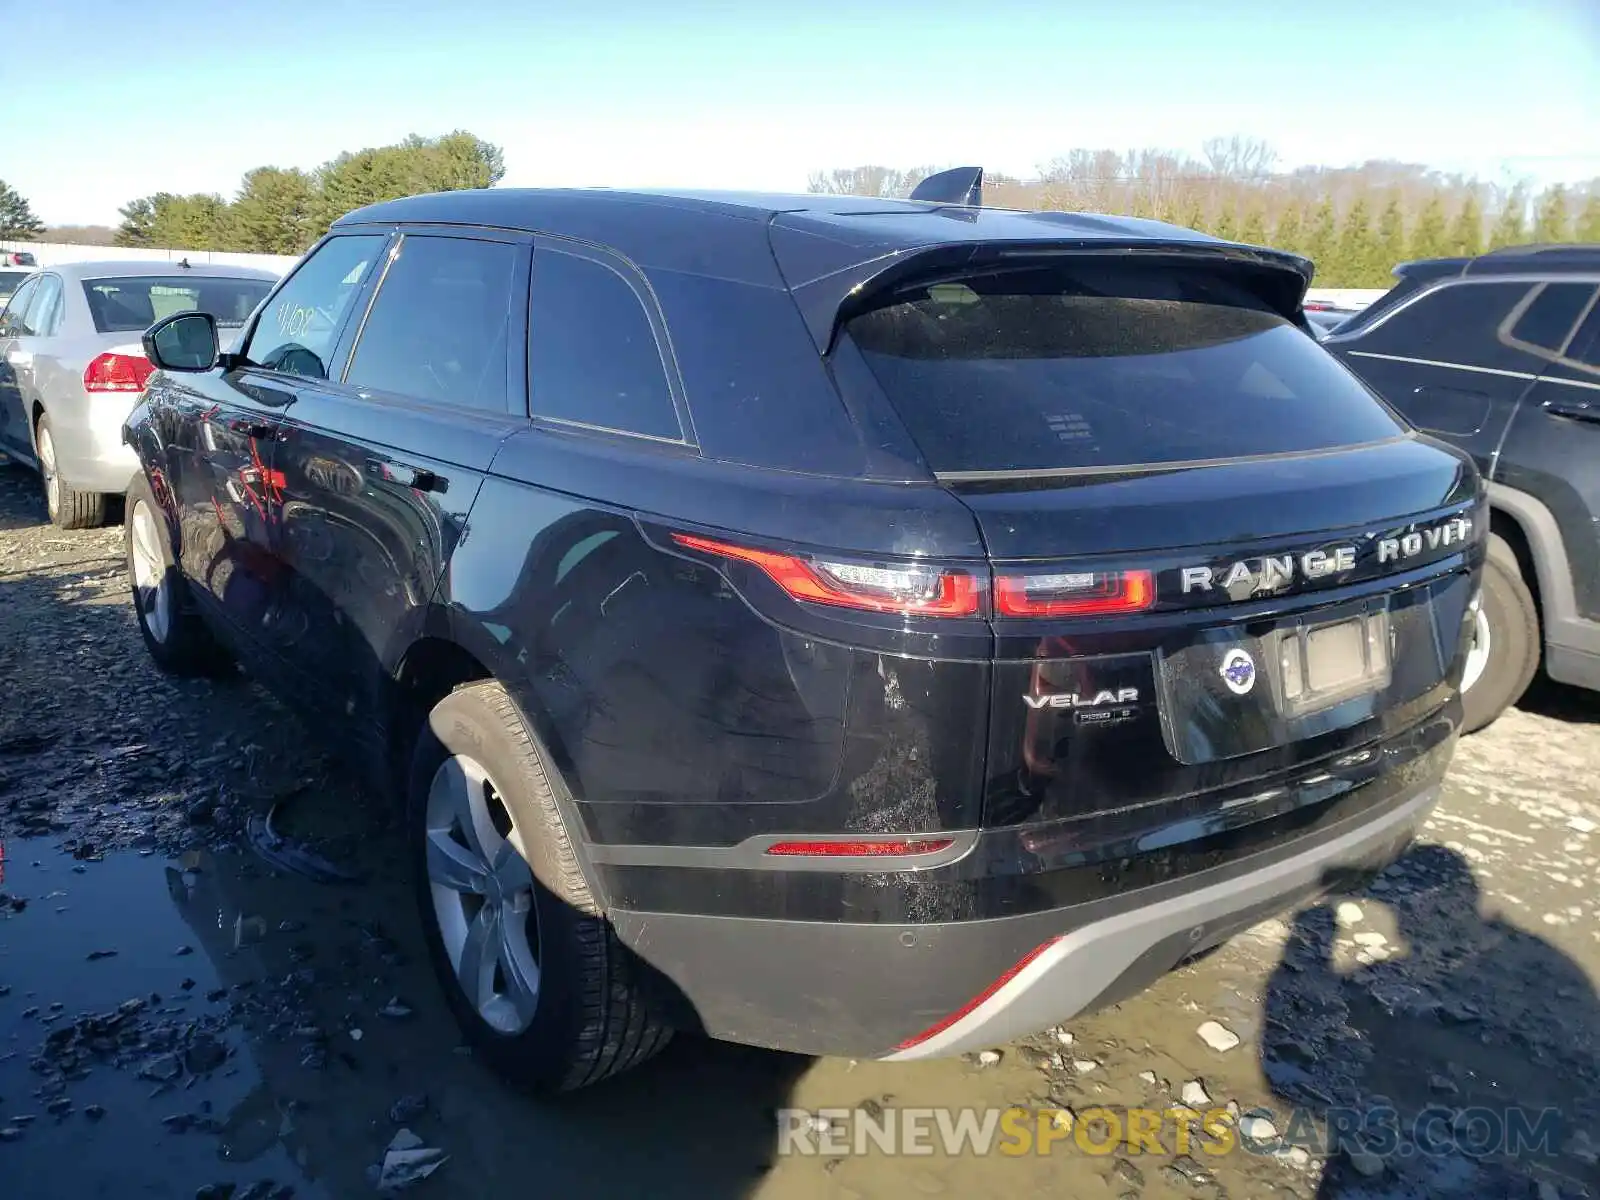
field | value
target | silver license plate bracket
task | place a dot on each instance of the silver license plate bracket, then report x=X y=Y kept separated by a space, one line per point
x=1326 y=664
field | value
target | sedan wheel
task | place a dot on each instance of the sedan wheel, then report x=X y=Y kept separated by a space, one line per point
x=47 y=468
x=68 y=507
x=151 y=590
x=483 y=895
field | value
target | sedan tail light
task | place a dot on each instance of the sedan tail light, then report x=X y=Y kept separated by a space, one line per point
x=114 y=372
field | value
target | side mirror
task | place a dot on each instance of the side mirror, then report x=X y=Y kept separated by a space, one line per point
x=185 y=341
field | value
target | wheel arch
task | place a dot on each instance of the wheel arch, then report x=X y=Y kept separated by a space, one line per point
x=1531 y=531
x=1508 y=529
x=36 y=414
x=436 y=664
x=431 y=667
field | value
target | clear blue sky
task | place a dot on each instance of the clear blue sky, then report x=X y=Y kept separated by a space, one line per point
x=107 y=100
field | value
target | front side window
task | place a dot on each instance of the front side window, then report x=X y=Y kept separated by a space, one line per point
x=10 y=281
x=593 y=355
x=131 y=304
x=11 y=324
x=438 y=328
x=297 y=332
x=1093 y=367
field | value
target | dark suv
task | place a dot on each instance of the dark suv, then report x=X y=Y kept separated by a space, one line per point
x=862 y=627
x=1500 y=355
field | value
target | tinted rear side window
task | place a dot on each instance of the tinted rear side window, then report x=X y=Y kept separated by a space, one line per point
x=1548 y=317
x=132 y=305
x=593 y=355
x=1098 y=367
x=1457 y=324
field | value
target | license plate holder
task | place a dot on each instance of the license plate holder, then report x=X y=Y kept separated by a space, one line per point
x=1326 y=664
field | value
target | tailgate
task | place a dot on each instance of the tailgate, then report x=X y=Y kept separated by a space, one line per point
x=1217 y=556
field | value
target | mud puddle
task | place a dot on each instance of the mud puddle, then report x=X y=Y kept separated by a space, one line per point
x=172 y=1025
x=115 y=1036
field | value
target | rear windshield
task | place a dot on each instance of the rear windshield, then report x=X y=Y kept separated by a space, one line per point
x=10 y=281
x=133 y=304
x=1106 y=367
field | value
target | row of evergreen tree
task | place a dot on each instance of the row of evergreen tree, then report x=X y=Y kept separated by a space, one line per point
x=1359 y=247
x=1355 y=222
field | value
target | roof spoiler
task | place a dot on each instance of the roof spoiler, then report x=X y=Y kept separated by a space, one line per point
x=832 y=295
x=959 y=185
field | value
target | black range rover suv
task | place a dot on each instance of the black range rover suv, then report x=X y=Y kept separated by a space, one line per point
x=861 y=627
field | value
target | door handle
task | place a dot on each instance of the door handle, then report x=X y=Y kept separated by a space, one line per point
x=1575 y=410
x=417 y=478
x=251 y=428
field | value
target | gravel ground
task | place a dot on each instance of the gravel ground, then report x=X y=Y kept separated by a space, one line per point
x=181 y=1015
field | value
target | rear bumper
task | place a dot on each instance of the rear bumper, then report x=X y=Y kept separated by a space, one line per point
x=90 y=455
x=876 y=990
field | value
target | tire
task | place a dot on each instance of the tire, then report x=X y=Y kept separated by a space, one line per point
x=587 y=1017
x=173 y=632
x=1510 y=618
x=68 y=507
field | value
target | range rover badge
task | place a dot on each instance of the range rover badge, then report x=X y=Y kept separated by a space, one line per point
x=1238 y=671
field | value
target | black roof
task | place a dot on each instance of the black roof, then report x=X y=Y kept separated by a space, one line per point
x=1510 y=260
x=550 y=210
x=824 y=248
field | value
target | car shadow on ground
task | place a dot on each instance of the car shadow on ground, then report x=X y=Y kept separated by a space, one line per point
x=1571 y=704
x=1464 y=1065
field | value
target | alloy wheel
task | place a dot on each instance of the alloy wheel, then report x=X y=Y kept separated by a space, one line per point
x=482 y=889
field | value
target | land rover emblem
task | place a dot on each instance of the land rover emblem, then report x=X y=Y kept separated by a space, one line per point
x=1238 y=671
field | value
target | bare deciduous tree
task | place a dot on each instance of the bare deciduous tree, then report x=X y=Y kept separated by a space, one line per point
x=1238 y=157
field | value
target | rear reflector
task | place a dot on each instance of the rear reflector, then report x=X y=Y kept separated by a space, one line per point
x=980 y=999
x=860 y=849
x=1074 y=594
x=111 y=372
x=919 y=591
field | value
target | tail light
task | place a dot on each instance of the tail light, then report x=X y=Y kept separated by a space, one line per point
x=113 y=372
x=913 y=590
x=1074 y=594
x=939 y=592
